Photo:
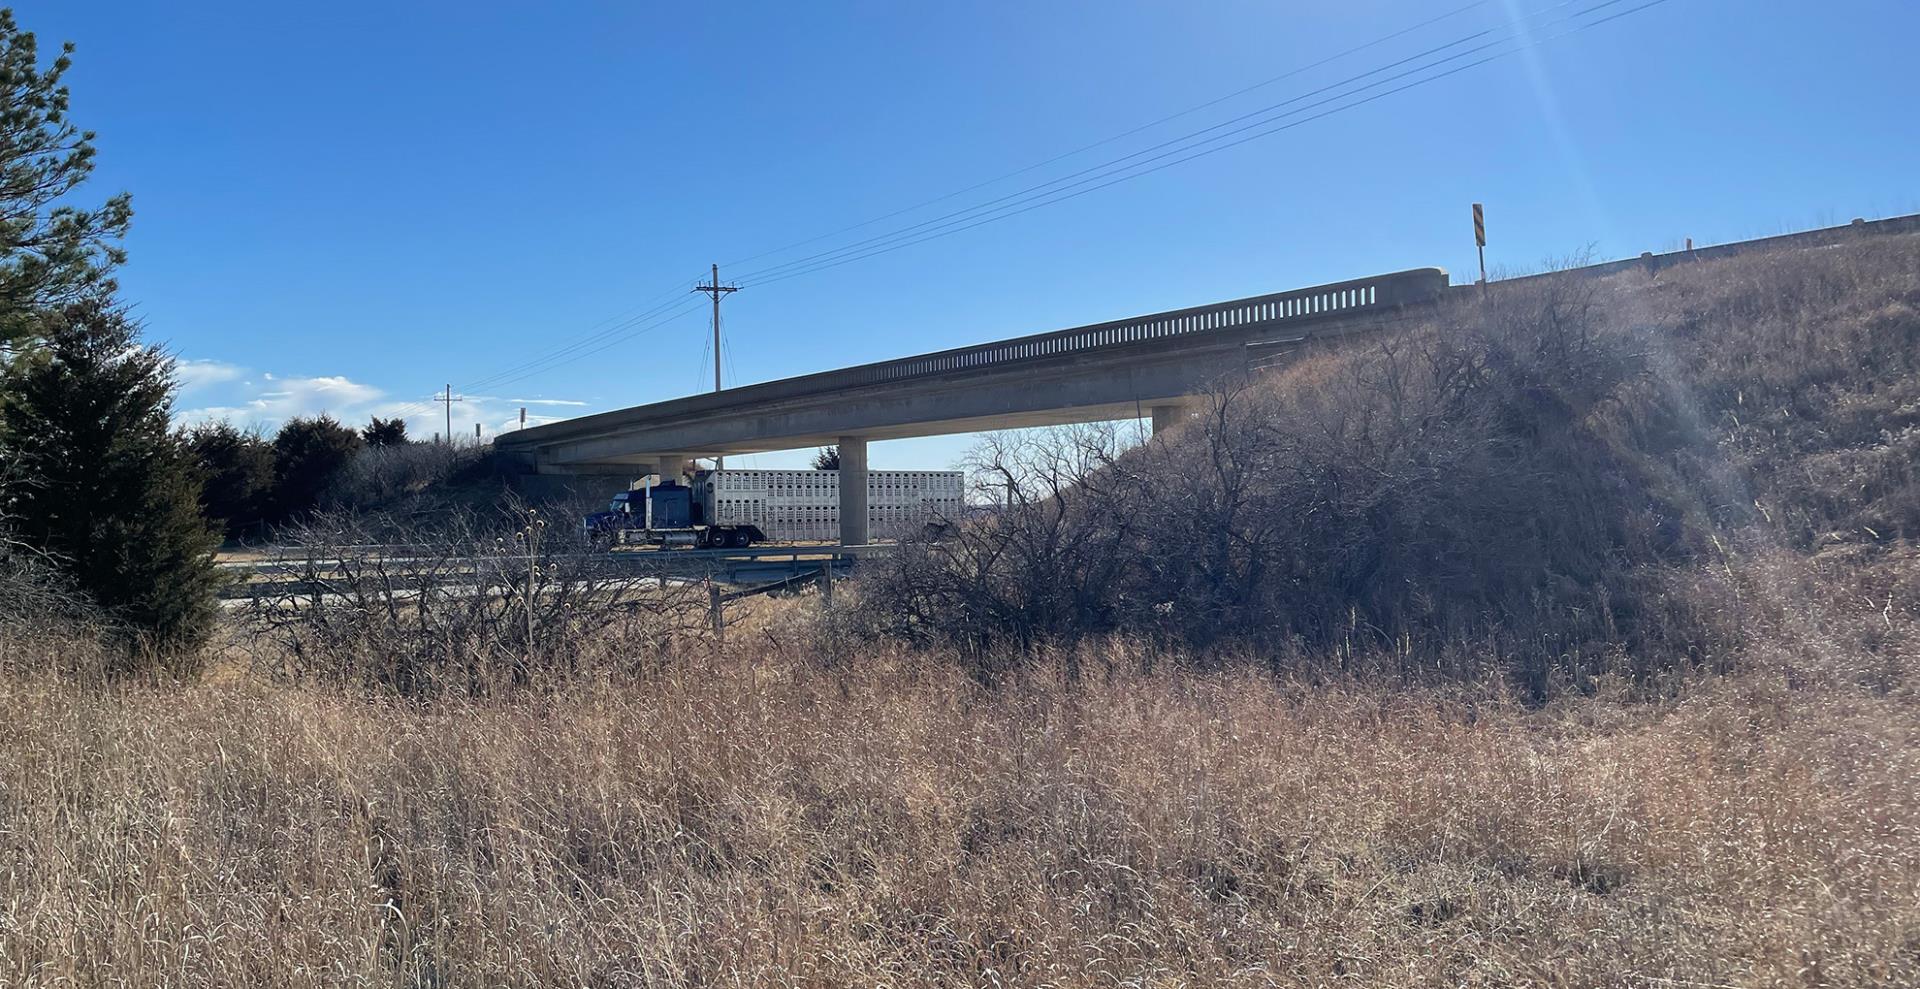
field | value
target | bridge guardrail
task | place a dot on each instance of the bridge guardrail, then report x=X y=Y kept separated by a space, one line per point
x=1401 y=288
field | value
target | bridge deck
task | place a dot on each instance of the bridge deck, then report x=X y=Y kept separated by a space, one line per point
x=1104 y=352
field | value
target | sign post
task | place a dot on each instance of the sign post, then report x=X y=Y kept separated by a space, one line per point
x=1480 y=242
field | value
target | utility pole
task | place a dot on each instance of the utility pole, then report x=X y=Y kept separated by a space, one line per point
x=448 y=401
x=716 y=290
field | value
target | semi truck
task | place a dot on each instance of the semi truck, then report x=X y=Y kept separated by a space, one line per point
x=737 y=508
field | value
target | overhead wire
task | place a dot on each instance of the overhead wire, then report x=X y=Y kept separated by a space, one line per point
x=1115 y=177
x=1182 y=149
x=655 y=324
x=661 y=303
x=1093 y=173
x=622 y=331
x=585 y=345
x=1149 y=125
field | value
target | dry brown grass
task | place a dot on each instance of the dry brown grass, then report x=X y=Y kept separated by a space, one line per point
x=749 y=819
x=754 y=816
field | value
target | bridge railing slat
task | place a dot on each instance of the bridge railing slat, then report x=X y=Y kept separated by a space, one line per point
x=1383 y=291
x=1396 y=289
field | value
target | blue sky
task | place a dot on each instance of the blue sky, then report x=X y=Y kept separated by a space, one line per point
x=343 y=207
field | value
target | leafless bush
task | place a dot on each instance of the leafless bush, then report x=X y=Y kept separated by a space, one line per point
x=45 y=624
x=474 y=603
x=1432 y=498
x=1553 y=485
x=1036 y=568
x=382 y=475
x=32 y=594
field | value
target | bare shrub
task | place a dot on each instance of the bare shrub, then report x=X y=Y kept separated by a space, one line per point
x=382 y=474
x=33 y=595
x=1037 y=568
x=49 y=626
x=476 y=602
x=1425 y=500
x=1570 y=480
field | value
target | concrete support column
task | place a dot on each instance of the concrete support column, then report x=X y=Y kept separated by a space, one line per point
x=667 y=465
x=1165 y=416
x=853 y=491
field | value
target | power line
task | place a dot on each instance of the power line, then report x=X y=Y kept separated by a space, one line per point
x=585 y=346
x=764 y=275
x=1093 y=178
x=961 y=213
x=448 y=402
x=664 y=302
x=553 y=359
x=562 y=358
x=649 y=327
x=908 y=238
x=1383 y=39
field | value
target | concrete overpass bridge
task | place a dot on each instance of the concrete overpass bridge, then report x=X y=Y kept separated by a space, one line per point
x=1154 y=364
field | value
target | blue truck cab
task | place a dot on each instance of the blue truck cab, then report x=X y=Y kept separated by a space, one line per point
x=674 y=520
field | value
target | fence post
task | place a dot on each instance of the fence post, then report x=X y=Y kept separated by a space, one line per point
x=826 y=583
x=715 y=612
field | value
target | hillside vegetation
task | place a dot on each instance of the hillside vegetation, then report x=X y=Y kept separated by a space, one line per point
x=1569 y=640
x=1562 y=483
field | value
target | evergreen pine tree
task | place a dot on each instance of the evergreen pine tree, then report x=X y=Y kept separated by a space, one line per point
x=236 y=471
x=104 y=484
x=385 y=432
x=308 y=456
x=52 y=251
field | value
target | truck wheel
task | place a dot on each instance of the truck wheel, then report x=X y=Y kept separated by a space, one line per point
x=738 y=539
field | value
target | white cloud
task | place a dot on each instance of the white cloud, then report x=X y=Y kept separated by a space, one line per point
x=195 y=375
x=271 y=399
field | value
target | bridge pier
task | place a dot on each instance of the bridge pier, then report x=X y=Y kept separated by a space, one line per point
x=1167 y=416
x=667 y=465
x=853 y=491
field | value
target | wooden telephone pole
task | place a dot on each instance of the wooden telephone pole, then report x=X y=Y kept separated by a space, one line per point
x=448 y=401
x=716 y=291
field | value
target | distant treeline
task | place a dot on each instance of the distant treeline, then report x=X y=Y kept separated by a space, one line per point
x=251 y=481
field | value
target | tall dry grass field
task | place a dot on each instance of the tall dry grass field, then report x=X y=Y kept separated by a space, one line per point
x=1728 y=798
x=749 y=819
